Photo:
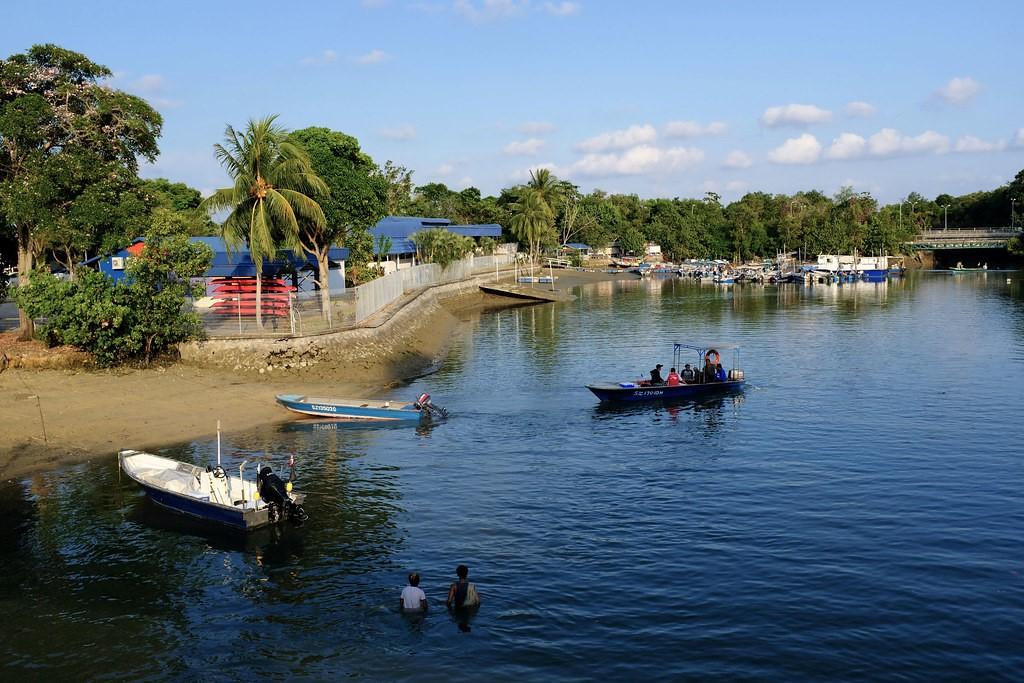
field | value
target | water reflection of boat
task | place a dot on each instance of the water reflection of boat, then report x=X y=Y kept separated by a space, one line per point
x=644 y=390
x=271 y=540
x=328 y=425
x=675 y=406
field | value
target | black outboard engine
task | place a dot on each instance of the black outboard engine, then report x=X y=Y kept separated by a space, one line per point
x=429 y=409
x=273 y=492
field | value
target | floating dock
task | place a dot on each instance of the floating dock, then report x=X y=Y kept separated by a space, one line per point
x=528 y=292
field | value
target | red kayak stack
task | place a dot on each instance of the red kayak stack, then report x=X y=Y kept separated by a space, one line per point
x=237 y=296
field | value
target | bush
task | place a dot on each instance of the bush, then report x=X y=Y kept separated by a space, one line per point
x=440 y=246
x=136 y=318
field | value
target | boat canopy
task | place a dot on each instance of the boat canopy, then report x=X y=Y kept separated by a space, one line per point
x=705 y=347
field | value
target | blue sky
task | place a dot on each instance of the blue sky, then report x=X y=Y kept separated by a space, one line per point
x=658 y=98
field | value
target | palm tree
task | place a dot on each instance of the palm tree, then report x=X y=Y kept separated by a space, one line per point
x=273 y=180
x=548 y=186
x=532 y=219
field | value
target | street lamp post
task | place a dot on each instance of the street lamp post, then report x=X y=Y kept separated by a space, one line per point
x=1012 y=222
x=945 y=216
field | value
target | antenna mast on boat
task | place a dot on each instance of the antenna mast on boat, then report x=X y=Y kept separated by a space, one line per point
x=218 y=443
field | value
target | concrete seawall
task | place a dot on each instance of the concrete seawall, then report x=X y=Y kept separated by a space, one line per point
x=406 y=339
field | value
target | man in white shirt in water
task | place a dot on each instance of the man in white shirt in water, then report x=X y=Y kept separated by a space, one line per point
x=413 y=597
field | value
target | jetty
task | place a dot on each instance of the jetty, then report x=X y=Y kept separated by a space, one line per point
x=528 y=292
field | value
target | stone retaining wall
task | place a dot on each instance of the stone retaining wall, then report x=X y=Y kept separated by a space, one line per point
x=409 y=341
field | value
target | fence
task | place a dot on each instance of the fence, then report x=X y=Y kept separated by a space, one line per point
x=305 y=313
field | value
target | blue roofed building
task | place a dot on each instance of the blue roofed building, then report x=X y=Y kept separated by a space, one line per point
x=235 y=263
x=400 y=229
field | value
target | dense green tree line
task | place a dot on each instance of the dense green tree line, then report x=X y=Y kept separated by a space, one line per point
x=70 y=148
x=756 y=225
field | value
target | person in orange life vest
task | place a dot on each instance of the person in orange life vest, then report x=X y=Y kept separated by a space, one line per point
x=673 y=378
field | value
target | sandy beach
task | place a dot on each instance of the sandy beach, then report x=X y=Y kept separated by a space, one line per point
x=53 y=417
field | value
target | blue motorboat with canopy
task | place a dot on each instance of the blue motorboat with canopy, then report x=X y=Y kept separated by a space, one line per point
x=704 y=382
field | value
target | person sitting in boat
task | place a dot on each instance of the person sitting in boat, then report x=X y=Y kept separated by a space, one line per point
x=688 y=375
x=673 y=378
x=656 y=377
x=720 y=375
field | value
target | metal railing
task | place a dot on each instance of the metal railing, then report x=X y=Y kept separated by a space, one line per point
x=306 y=314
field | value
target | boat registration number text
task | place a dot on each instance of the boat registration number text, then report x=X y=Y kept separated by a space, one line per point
x=328 y=409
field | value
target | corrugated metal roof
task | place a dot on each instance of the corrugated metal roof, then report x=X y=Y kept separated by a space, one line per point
x=479 y=230
x=401 y=228
x=238 y=262
x=578 y=246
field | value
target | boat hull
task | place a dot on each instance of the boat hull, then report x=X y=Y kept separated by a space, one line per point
x=351 y=410
x=243 y=520
x=616 y=393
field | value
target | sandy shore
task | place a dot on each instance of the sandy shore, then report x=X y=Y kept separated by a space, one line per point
x=55 y=417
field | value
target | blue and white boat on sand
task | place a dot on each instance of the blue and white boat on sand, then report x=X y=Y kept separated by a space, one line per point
x=363 y=409
x=644 y=390
x=211 y=494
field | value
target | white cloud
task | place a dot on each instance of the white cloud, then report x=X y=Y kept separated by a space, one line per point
x=406 y=131
x=372 y=57
x=737 y=159
x=150 y=83
x=1020 y=137
x=860 y=110
x=890 y=142
x=151 y=87
x=795 y=115
x=323 y=59
x=802 y=150
x=970 y=143
x=846 y=146
x=562 y=9
x=619 y=139
x=736 y=186
x=445 y=169
x=536 y=127
x=637 y=160
x=486 y=10
x=692 y=129
x=524 y=147
x=959 y=90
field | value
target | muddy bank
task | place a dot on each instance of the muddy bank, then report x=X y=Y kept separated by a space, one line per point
x=53 y=417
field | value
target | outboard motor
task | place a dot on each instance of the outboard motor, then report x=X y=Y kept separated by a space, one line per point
x=273 y=491
x=424 y=403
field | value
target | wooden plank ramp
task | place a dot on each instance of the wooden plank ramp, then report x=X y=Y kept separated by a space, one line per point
x=541 y=292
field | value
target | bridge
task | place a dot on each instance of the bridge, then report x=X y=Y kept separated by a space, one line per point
x=965 y=238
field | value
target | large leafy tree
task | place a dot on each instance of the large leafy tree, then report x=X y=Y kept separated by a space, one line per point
x=273 y=181
x=356 y=200
x=183 y=200
x=399 y=187
x=58 y=121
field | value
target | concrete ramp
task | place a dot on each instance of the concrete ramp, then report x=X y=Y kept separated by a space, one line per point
x=529 y=292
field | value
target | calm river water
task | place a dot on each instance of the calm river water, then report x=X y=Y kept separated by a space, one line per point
x=856 y=514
